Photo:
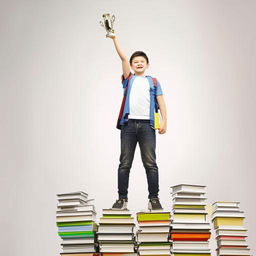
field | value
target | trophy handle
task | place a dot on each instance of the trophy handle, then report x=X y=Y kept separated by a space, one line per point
x=113 y=18
x=101 y=23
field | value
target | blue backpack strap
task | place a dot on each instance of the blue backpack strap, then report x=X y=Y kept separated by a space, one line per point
x=118 y=126
x=155 y=86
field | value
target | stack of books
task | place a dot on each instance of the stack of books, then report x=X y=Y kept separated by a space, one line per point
x=153 y=233
x=76 y=224
x=228 y=222
x=116 y=233
x=190 y=228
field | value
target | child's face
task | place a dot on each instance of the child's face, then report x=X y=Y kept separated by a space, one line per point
x=139 y=64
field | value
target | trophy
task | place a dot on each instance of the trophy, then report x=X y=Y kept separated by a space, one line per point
x=107 y=23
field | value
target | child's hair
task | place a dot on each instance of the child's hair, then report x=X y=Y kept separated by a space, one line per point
x=138 y=53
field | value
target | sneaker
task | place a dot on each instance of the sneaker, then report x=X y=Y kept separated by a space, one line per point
x=154 y=204
x=120 y=204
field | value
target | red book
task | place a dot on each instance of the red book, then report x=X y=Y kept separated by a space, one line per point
x=190 y=236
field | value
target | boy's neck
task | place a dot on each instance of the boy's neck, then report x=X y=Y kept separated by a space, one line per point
x=139 y=74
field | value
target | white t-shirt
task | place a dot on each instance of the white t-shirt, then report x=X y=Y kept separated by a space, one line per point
x=140 y=98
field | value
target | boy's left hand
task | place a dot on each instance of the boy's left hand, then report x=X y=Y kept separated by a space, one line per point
x=162 y=128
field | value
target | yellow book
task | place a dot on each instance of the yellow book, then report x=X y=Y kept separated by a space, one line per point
x=189 y=206
x=229 y=221
x=189 y=216
x=157 y=121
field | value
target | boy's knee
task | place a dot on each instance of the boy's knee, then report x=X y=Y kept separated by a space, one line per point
x=125 y=164
x=150 y=165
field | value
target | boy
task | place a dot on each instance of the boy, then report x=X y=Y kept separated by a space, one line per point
x=136 y=121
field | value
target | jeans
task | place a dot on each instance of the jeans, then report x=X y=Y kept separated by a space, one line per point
x=138 y=131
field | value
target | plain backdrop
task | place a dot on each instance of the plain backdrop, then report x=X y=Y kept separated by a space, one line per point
x=60 y=97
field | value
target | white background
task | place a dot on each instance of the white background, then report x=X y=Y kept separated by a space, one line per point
x=61 y=93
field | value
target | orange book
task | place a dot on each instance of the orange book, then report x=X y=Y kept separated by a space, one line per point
x=167 y=222
x=190 y=236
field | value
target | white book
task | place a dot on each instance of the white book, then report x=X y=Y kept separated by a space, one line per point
x=232 y=209
x=75 y=218
x=152 y=237
x=188 y=245
x=226 y=204
x=155 y=252
x=116 y=228
x=188 y=195
x=188 y=188
x=70 y=198
x=78 y=250
x=63 y=195
x=194 y=200
x=231 y=233
x=116 y=221
x=116 y=248
x=192 y=251
x=116 y=211
x=155 y=229
x=233 y=251
x=114 y=237
x=87 y=240
x=195 y=225
x=220 y=214
x=241 y=228
x=223 y=213
x=71 y=204
x=232 y=243
x=87 y=213
x=80 y=208
x=155 y=246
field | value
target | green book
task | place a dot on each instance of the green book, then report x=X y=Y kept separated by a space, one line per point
x=77 y=233
x=77 y=223
x=143 y=216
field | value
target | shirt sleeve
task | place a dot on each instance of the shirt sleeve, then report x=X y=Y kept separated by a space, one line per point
x=125 y=80
x=158 y=88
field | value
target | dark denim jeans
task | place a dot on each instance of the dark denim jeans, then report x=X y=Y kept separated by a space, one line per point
x=138 y=131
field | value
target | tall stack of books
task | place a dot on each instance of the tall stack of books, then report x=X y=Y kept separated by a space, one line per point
x=76 y=224
x=153 y=233
x=190 y=228
x=228 y=223
x=115 y=233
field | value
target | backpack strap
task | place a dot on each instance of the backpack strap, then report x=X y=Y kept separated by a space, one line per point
x=123 y=101
x=156 y=103
x=155 y=82
x=128 y=83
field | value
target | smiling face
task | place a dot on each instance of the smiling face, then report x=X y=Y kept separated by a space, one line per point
x=139 y=65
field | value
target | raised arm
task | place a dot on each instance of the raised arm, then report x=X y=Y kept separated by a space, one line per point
x=125 y=62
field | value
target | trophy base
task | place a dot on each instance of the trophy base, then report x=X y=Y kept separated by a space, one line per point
x=110 y=34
